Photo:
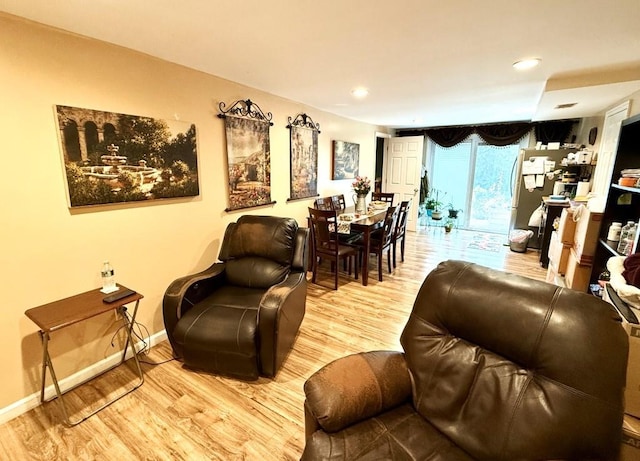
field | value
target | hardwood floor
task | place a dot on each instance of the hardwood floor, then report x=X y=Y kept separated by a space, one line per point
x=179 y=414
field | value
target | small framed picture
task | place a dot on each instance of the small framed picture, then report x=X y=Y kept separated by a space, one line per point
x=346 y=159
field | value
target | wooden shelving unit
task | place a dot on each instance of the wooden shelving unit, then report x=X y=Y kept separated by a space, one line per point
x=623 y=202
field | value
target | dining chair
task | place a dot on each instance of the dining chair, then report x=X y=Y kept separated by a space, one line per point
x=400 y=229
x=340 y=205
x=326 y=243
x=338 y=202
x=323 y=203
x=381 y=241
x=383 y=197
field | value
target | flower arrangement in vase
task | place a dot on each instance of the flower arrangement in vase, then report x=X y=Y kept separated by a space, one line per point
x=361 y=186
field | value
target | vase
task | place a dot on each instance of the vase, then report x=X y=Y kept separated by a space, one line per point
x=360 y=202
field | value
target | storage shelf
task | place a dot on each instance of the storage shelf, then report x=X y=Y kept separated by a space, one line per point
x=623 y=202
x=635 y=190
x=605 y=244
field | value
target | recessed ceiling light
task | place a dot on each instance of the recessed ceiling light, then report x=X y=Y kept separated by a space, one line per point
x=525 y=64
x=360 y=92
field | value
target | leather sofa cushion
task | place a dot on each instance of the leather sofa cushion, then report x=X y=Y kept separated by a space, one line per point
x=219 y=332
x=267 y=237
x=206 y=318
x=398 y=434
x=501 y=381
x=255 y=272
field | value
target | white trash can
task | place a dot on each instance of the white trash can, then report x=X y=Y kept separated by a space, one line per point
x=519 y=239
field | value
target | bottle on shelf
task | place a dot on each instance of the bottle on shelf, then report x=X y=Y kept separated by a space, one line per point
x=627 y=236
x=631 y=236
x=614 y=232
x=108 y=278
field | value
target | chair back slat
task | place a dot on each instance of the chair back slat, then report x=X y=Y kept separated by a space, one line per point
x=324 y=230
x=383 y=197
x=338 y=202
x=323 y=203
x=401 y=224
x=390 y=220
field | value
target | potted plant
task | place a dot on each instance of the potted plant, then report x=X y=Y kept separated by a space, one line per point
x=448 y=225
x=434 y=204
x=430 y=205
x=453 y=211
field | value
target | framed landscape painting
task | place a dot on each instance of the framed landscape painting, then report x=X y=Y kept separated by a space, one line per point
x=346 y=159
x=114 y=158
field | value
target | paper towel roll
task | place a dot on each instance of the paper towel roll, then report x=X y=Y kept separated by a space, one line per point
x=582 y=189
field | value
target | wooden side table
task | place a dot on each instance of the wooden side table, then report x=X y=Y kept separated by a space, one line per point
x=65 y=312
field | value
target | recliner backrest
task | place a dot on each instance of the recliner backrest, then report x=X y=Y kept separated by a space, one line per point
x=513 y=368
x=258 y=250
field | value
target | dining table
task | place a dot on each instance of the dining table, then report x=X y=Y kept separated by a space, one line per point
x=365 y=223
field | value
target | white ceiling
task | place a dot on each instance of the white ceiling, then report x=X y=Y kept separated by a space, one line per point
x=425 y=62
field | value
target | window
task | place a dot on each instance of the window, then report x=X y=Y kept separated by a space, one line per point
x=475 y=177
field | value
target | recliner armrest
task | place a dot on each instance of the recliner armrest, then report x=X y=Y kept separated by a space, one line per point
x=301 y=255
x=285 y=300
x=275 y=295
x=186 y=291
x=356 y=387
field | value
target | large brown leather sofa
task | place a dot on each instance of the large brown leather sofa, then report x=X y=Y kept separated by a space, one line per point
x=495 y=367
x=240 y=317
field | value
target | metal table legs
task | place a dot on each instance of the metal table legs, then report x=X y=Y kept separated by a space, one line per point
x=47 y=363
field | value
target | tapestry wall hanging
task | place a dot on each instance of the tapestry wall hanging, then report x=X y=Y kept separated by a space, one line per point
x=346 y=159
x=248 y=154
x=304 y=157
x=114 y=158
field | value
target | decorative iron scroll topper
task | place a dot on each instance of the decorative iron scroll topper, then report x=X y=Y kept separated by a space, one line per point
x=303 y=121
x=245 y=109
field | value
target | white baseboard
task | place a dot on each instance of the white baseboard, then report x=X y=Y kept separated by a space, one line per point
x=31 y=401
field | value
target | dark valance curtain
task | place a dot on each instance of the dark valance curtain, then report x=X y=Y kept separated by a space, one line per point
x=554 y=131
x=449 y=137
x=502 y=134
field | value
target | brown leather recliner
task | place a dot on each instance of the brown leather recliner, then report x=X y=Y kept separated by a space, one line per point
x=496 y=367
x=240 y=317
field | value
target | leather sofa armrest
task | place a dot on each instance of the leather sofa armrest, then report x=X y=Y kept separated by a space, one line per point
x=186 y=291
x=301 y=255
x=287 y=299
x=356 y=387
x=277 y=294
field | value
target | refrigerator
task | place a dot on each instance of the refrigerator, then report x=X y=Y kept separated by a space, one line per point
x=525 y=200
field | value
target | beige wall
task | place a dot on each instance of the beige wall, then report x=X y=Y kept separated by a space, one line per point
x=50 y=252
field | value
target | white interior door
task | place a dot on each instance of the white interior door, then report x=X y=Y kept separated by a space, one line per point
x=608 y=145
x=401 y=173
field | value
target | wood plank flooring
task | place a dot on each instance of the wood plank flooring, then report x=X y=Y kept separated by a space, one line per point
x=179 y=414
